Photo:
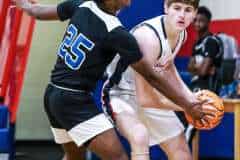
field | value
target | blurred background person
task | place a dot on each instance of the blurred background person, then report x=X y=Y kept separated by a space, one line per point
x=207 y=54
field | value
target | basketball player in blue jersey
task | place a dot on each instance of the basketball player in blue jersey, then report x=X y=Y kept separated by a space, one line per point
x=92 y=39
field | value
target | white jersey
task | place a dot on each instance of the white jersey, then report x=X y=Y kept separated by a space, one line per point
x=127 y=83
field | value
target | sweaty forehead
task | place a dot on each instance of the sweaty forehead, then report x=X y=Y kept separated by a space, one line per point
x=181 y=3
x=193 y=3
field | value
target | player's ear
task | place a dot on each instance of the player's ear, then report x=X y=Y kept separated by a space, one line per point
x=194 y=15
x=165 y=8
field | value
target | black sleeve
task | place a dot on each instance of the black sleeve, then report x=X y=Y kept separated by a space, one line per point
x=211 y=48
x=67 y=8
x=193 y=49
x=123 y=43
x=117 y=74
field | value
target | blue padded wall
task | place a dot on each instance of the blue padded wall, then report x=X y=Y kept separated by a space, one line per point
x=139 y=11
x=4 y=130
x=3 y=116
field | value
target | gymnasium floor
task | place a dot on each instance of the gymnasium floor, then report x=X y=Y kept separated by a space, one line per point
x=38 y=150
x=47 y=150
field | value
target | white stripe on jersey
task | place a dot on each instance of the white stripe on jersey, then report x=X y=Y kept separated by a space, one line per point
x=166 y=49
x=127 y=83
x=110 y=20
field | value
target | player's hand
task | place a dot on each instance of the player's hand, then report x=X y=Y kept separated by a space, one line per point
x=210 y=110
x=23 y=3
x=202 y=113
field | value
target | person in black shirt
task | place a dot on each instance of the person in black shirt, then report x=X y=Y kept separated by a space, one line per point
x=207 y=54
x=92 y=39
x=206 y=59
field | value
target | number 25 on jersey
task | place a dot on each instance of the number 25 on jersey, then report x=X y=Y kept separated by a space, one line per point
x=70 y=50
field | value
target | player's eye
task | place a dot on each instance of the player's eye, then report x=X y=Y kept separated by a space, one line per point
x=177 y=8
x=189 y=9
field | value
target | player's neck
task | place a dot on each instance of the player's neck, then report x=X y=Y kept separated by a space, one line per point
x=202 y=34
x=171 y=31
x=108 y=7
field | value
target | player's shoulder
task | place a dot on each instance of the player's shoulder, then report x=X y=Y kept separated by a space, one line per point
x=145 y=35
x=154 y=20
x=121 y=33
x=211 y=40
x=110 y=21
x=121 y=40
x=147 y=28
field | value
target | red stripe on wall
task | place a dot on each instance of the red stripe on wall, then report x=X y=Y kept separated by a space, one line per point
x=230 y=27
x=186 y=50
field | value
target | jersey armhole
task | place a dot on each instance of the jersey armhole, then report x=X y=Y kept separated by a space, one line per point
x=156 y=33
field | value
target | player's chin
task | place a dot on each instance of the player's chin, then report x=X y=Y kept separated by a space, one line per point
x=181 y=27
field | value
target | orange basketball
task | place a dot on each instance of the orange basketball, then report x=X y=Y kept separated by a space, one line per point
x=216 y=103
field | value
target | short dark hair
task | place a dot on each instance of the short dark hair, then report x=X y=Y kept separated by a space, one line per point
x=205 y=11
x=193 y=3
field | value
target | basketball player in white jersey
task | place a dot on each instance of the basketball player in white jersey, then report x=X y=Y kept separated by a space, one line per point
x=143 y=115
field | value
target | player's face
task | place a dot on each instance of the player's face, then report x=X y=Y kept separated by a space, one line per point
x=180 y=15
x=201 y=23
x=116 y=5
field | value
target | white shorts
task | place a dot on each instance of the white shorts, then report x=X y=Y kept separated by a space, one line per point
x=82 y=132
x=161 y=124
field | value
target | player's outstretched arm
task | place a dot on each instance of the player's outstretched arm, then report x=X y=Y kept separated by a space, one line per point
x=168 y=80
x=39 y=11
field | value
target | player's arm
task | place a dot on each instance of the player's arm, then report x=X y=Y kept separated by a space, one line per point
x=147 y=96
x=39 y=11
x=48 y=12
x=123 y=43
x=205 y=67
x=211 y=50
x=192 y=65
x=168 y=80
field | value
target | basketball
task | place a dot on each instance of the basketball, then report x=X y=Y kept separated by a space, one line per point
x=216 y=102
